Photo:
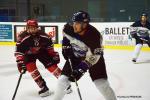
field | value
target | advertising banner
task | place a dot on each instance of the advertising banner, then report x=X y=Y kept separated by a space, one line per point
x=6 y=32
x=115 y=34
x=52 y=31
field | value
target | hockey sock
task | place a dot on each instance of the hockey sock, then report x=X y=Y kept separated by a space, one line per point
x=32 y=69
x=55 y=70
x=137 y=51
x=62 y=84
x=103 y=86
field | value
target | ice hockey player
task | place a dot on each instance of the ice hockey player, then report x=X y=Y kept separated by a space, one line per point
x=82 y=44
x=33 y=44
x=140 y=30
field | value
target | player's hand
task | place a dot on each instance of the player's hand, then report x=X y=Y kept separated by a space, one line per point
x=54 y=55
x=79 y=71
x=21 y=67
x=56 y=58
x=23 y=71
x=76 y=74
x=67 y=52
x=20 y=62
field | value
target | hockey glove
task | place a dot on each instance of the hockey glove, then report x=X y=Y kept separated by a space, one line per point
x=54 y=55
x=133 y=34
x=67 y=52
x=79 y=71
x=20 y=63
x=21 y=67
x=56 y=58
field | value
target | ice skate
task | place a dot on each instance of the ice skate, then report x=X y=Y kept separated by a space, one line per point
x=44 y=92
x=68 y=90
x=134 y=60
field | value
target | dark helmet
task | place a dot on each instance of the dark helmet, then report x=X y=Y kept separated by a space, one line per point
x=81 y=16
x=144 y=14
x=32 y=22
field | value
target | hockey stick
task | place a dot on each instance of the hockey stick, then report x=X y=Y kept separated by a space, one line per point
x=17 y=85
x=75 y=80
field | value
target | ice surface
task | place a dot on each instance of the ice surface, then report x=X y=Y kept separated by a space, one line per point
x=130 y=81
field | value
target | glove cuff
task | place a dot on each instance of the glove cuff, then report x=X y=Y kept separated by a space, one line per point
x=84 y=65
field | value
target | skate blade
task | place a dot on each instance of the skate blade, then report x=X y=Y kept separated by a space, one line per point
x=45 y=94
x=68 y=91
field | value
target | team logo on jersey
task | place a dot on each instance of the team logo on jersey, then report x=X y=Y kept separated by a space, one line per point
x=79 y=51
x=36 y=41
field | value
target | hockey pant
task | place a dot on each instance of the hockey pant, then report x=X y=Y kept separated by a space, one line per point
x=137 y=50
x=105 y=89
x=32 y=69
x=62 y=85
x=101 y=84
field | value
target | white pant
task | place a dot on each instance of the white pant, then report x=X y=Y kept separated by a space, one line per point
x=105 y=89
x=62 y=85
x=101 y=84
x=137 y=50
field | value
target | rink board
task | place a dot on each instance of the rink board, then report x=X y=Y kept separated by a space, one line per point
x=116 y=35
x=145 y=48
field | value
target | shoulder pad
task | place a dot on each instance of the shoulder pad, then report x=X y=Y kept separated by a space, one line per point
x=22 y=35
x=43 y=33
x=68 y=29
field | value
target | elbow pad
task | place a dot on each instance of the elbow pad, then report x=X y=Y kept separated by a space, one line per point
x=92 y=59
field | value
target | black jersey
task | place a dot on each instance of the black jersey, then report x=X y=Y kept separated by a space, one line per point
x=32 y=44
x=91 y=40
x=86 y=47
x=138 y=24
x=140 y=32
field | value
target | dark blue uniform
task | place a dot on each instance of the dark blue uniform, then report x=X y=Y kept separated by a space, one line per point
x=141 y=31
x=138 y=24
x=79 y=48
